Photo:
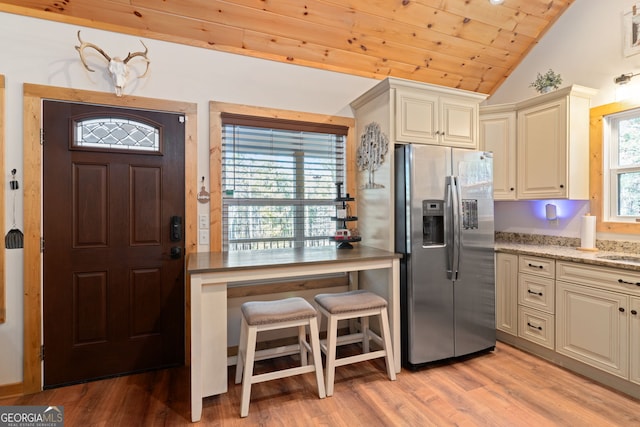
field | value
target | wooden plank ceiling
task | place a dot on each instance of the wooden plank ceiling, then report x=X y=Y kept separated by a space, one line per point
x=467 y=44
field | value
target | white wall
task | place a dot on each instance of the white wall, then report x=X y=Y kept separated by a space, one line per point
x=42 y=52
x=585 y=47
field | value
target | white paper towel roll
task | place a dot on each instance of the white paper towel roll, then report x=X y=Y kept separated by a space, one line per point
x=588 y=232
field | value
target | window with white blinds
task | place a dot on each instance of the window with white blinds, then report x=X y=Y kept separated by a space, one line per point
x=278 y=182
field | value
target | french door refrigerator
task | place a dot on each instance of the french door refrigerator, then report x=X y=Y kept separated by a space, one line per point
x=444 y=228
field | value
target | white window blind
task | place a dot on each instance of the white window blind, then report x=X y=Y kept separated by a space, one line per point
x=278 y=180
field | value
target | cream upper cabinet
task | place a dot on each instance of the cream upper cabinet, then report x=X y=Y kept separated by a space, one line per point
x=507 y=293
x=436 y=116
x=553 y=145
x=540 y=145
x=497 y=134
x=417 y=116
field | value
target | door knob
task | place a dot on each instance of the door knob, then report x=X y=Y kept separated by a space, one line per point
x=176 y=252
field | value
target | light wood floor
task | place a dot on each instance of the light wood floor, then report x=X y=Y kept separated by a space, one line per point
x=503 y=388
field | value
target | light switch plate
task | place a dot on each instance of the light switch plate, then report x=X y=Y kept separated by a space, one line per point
x=203 y=222
x=203 y=237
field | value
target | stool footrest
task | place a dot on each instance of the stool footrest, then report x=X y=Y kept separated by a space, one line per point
x=352 y=339
x=360 y=357
x=282 y=373
x=270 y=353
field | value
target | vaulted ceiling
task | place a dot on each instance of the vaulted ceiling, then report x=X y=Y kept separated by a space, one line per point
x=467 y=44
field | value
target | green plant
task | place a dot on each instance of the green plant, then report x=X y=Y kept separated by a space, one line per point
x=544 y=82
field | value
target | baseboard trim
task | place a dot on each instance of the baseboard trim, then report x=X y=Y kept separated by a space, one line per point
x=11 y=390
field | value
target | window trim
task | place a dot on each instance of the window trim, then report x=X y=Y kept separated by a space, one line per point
x=597 y=170
x=614 y=170
x=216 y=109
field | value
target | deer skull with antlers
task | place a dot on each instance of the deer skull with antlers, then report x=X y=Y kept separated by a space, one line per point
x=118 y=68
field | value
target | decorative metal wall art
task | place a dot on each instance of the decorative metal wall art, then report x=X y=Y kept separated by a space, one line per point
x=373 y=148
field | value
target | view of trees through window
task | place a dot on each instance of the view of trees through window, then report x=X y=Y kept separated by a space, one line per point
x=627 y=168
x=279 y=187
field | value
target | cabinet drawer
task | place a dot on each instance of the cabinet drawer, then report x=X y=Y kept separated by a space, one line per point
x=613 y=279
x=537 y=265
x=536 y=326
x=536 y=292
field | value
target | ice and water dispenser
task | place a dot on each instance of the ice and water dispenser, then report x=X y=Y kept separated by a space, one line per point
x=432 y=222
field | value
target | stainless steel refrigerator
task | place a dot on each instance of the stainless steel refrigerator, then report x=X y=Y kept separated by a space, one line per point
x=444 y=228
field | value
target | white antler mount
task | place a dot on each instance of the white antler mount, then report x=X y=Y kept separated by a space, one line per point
x=118 y=68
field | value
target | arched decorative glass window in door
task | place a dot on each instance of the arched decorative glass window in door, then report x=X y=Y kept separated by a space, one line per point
x=116 y=133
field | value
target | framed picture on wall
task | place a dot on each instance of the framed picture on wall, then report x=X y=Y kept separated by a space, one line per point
x=631 y=28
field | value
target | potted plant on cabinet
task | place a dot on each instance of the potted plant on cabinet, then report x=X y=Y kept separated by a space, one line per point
x=546 y=82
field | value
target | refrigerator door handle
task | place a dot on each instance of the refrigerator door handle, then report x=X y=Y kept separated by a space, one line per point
x=448 y=226
x=456 y=232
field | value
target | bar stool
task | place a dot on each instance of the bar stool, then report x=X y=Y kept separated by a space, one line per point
x=352 y=305
x=260 y=316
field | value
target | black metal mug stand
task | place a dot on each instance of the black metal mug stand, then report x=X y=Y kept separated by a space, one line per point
x=344 y=242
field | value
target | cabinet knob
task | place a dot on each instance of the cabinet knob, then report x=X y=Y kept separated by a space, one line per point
x=634 y=312
x=561 y=185
x=621 y=309
x=511 y=189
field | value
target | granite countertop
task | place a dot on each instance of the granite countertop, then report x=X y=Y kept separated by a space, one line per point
x=568 y=253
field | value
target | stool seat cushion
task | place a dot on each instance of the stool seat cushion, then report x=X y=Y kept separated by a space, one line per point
x=346 y=302
x=284 y=310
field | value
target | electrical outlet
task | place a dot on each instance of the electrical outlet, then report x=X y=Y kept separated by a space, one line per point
x=203 y=237
x=203 y=222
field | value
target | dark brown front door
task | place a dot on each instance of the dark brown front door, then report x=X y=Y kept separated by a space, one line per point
x=113 y=292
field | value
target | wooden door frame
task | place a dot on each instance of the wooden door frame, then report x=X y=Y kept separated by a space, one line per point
x=32 y=185
x=3 y=283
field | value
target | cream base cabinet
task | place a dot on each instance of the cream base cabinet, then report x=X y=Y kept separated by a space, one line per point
x=592 y=326
x=498 y=135
x=507 y=293
x=436 y=116
x=553 y=145
x=634 y=354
